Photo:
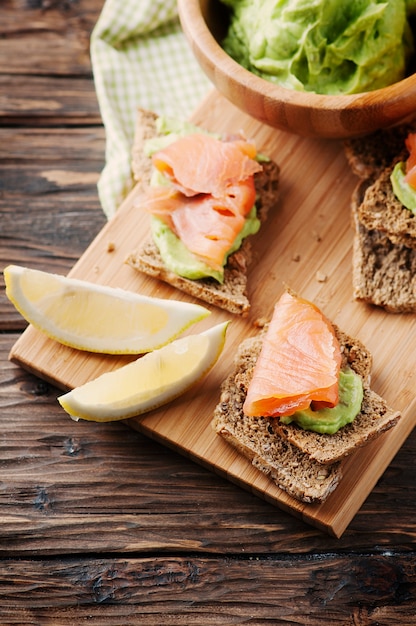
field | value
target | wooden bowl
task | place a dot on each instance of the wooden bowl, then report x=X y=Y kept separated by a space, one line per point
x=204 y=23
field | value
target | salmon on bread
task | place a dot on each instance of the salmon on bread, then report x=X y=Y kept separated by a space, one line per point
x=384 y=244
x=222 y=197
x=304 y=463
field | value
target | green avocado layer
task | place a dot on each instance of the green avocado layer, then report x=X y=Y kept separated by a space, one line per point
x=330 y=420
x=402 y=190
x=181 y=261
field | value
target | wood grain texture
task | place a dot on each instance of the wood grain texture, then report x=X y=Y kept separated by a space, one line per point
x=100 y=524
x=47 y=37
x=152 y=590
x=51 y=466
x=306 y=245
x=45 y=100
x=48 y=201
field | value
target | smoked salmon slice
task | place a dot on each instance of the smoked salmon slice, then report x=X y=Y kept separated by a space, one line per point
x=207 y=226
x=199 y=163
x=211 y=190
x=298 y=364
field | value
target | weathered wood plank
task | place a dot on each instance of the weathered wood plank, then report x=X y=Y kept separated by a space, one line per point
x=45 y=100
x=62 y=480
x=45 y=64
x=49 y=206
x=49 y=38
x=98 y=523
x=22 y=147
x=208 y=591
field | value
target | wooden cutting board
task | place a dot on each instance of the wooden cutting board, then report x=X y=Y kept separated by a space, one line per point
x=306 y=245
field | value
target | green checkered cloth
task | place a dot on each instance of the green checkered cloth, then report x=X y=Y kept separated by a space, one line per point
x=140 y=58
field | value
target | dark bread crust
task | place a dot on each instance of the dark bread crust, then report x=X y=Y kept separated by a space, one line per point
x=369 y=155
x=304 y=464
x=384 y=245
x=141 y=164
x=384 y=273
x=379 y=209
x=256 y=439
x=232 y=295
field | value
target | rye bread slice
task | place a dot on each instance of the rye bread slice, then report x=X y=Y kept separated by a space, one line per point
x=306 y=465
x=257 y=440
x=232 y=294
x=384 y=273
x=379 y=209
x=140 y=163
x=384 y=244
x=369 y=155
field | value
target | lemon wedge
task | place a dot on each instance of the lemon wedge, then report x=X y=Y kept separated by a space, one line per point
x=148 y=382
x=94 y=317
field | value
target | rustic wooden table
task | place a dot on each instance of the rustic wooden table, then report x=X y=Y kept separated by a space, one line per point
x=106 y=526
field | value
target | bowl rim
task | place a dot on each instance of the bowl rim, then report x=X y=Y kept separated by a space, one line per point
x=205 y=44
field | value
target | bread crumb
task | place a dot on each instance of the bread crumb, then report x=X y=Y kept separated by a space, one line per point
x=321 y=277
x=111 y=246
x=260 y=322
x=296 y=258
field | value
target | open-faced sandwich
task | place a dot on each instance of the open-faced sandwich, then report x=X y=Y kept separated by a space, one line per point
x=384 y=218
x=299 y=400
x=205 y=195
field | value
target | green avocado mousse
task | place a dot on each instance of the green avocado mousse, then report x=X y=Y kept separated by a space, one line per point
x=218 y=220
x=181 y=261
x=323 y=46
x=403 y=176
x=330 y=420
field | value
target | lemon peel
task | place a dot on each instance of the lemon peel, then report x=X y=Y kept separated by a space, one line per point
x=97 y=318
x=148 y=382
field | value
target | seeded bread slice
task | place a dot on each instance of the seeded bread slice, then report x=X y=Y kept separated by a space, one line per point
x=232 y=295
x=256 y=438
x=379 y=209
x=369 y=155
x=384 y=244
x=304 y=464
x=373 y=158
x=384 y=273
x=141 y=164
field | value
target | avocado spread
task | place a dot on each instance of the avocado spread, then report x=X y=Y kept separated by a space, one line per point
x=180 y=260
x=330 y=420
x=323 y=46
x=402 y=190
x=174 y=253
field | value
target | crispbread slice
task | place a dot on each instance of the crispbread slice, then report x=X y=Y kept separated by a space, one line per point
x=375 y=418
x=305 y=464
x=369 y=155
x=141 y=164
x=379 y=209
x=286 y=466
x=232 y=295
x=384 y=273
x=256 y=438
x=384 y=244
